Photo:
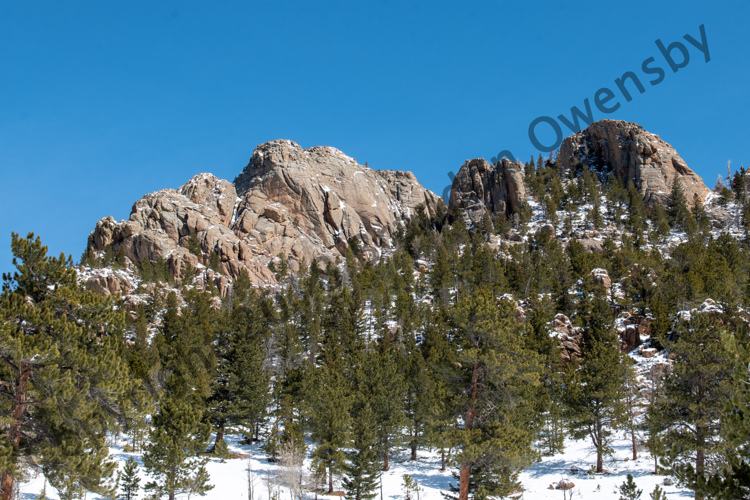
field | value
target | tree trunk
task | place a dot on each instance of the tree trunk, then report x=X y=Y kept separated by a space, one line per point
x=14 y=433
x=465 y=473
x=463 y=481
x=6 y=485
x=599 y=445
x=442 y=460
x=700 y=458
x=219 y=437
x=414 y=450
x=632 y=439
x=386 y=462
x=330 y=479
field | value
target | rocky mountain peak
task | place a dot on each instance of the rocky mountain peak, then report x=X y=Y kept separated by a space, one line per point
x=303 y=205
x=631 y=152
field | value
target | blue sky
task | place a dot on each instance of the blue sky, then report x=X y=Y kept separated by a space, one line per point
x=102 y=102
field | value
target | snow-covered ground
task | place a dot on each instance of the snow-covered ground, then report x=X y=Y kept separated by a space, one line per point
x=230 y=478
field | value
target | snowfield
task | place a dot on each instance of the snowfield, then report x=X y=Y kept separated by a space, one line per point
x=230 y=478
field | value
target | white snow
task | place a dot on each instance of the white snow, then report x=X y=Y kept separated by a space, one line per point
x=230 y=477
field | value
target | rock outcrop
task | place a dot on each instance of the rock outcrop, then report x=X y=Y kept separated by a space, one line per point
x=631 y=153
x=326 y=196
x=481 y=188
x=303 y=205
x=570 y=338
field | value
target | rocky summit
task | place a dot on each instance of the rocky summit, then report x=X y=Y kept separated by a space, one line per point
x=632 y=153
x=304 y=205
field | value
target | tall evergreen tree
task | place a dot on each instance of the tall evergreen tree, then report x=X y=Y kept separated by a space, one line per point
x=688 y=410
x=180 y=430
x=495 y=377
x=328 y=400
x=594 y=389
x=733 y=480
x=677 y=209
x=63 y=378
x=240 y=392
x=420 y=403
x=386 y=389
x=362 y=469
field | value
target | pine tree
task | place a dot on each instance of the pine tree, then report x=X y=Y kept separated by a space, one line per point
x=178 y=436
x=194 y=245
x=497 y=376
x=62 y=374
x=362 y=469
x=548 y=399
x=185 y=346
x=439 y=351
x=658 y=494
x=595 y=216
x=142 y=360
x=420 y=401
x=386 y=390
x=703 y=224
x=441 y=277
x=629 y=490
x=678 y=213
x=595 y=385
x=686 y=413
x=660 y=221
x=179 y=429
x=240 y=392
x=631 y=395
x=129 y=481
x=328 y=401
x=214 y=262
x=733 y=480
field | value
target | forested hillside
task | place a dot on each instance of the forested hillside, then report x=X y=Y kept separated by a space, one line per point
x=489 y=334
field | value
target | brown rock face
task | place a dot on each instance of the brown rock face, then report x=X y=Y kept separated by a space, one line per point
x=631 y=153
x=302 y=204
x=480 y=187
x=108 y=282
x=570 y=338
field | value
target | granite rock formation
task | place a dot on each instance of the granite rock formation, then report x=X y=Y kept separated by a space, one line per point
x=630 y=152
x=302 y=205
x=481 y=188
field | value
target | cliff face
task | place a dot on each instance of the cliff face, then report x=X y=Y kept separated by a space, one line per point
x=304 y=205
x=480 y=187
x=632 y=153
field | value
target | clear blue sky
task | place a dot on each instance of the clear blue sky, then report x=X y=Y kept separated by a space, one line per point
x=102 y=102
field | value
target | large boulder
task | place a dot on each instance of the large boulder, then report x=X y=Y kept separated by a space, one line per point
x=630 y=152
x=481 y=188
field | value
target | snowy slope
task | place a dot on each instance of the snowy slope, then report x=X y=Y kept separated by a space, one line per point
x=230 y=477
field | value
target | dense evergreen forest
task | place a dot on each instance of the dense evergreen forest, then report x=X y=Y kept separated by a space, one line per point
x=444 y=344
